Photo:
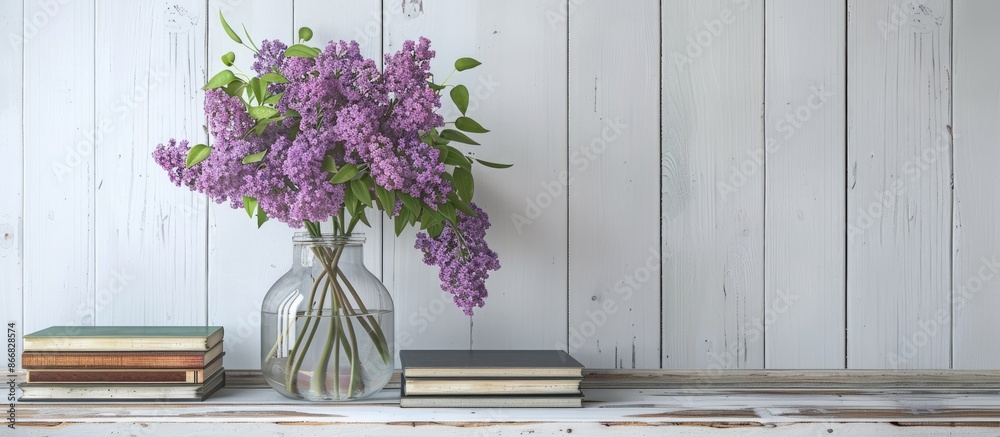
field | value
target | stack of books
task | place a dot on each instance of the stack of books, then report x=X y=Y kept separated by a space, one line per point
x=490 y=379
x=127 y=363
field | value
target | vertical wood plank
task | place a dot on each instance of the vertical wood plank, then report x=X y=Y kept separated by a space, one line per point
x=519 y=93
x=899 y=175
x=359 y=20
x=614 y=213
x=804 y=154
x=59 y=134
x=713 y=285
x=150 y=235
x=243 y=261
x=975 y=288
x=426 y=317
x=12 y=166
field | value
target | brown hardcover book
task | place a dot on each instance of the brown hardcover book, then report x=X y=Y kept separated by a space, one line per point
x=120 y=360
x=189 y=376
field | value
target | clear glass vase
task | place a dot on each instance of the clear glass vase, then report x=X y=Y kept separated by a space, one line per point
x=327 y=324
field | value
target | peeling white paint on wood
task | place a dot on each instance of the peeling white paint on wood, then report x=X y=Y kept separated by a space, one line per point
x=976 y=238
x=713 y=218
x=899 y=184
x=607 y=411
x=804 y=155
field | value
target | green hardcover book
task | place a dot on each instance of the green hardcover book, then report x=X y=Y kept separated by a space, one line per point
x=123 y=338
x=489 y=364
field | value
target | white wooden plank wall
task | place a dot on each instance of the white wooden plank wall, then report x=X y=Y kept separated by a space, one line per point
x=976 y=239
x=713 y=227
x=804 y=168
x=11 y=164
x=59 y=158
x=150 y=253
x=614 y=162
x=899 y=184
x=841 y=242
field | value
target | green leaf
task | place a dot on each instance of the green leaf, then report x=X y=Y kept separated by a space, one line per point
x=464 y=183
x=364 y=218
x=461 y=205
x=448 y=211
x=305 y=34
x=455 y=157
x=235 y=88
x=435 y=230
x=249 y=204
x=350 y=201
x=329 y=164
x=229 y=30
x=274 y=78
x=493 y=164
x=220 y=80
x=259 y=88
x=273 y=99
x=301 y=51
x=463 y=64
x=247 y=33
x=229 y=58
x=458 y=137
x=409 y=203
x=469 y=125
x=346 y=173
x=262 y=112
x=435 y=86
x=360 y=190
x=387 y=198
x=401 y=220
x=261 y=217
x=197 y=154
x=460 y=95
x=256 y=157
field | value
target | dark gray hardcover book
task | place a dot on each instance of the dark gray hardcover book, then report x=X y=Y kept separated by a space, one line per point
x=489 y=364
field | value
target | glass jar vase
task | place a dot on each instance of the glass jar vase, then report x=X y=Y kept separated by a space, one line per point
x=327 y=324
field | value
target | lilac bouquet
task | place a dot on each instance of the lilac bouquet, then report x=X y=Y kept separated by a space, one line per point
x=322 y=134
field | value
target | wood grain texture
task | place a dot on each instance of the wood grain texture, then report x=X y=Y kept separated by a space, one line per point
x=805 y=195
x=975 y=288
x=150 y=252
x=713 y=219
x=519 y=93
x=614 y=83
x=12 y=166
x=346 y=20
x=899 y=184
x=243 y=261
x=59 y=142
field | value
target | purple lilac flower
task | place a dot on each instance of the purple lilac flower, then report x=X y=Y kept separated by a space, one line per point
x=463 y=275
x=350 y=112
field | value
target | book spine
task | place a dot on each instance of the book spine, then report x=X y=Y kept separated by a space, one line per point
x=70 y=376
x=110 y=361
